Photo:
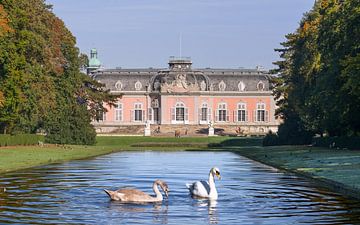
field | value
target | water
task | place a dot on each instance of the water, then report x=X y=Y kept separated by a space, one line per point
x=249 y=193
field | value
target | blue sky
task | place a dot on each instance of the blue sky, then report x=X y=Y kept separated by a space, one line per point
x=215 y=33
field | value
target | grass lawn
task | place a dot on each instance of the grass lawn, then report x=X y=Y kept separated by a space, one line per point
x=21 y=157
x=338 y=170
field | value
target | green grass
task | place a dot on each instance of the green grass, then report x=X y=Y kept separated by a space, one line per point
x=21 y=157
x=338 y=170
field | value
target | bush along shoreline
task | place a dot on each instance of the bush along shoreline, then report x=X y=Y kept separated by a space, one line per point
x=353 y=143
x=20 y=139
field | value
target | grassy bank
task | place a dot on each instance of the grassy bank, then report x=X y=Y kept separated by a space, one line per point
x=21 y=157
x=338 y=170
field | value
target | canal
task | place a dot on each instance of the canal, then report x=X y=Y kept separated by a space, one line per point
x=249 y=192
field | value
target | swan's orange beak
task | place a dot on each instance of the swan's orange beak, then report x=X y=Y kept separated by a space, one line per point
x=218 y=175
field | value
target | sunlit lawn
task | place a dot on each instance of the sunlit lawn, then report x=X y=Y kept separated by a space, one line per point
x=20 y=157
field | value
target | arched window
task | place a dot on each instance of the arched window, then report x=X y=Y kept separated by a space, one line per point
x=221 y=113
x=241 y=114
x=118 y=85
x=138 y=85
x=261 y=86
x=118 y=111
x=179 y=113
x=222 y=86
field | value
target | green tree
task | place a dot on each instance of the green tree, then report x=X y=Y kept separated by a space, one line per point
x=317 y=89
x=40 y=79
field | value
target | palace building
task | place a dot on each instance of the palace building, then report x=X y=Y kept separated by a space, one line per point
x=182 y=97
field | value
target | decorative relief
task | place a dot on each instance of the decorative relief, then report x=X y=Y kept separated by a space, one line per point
x=202 y=85
x=118 y=85
x=155 y=103
x=241 y=86
x=138 y=85
x=180 y=84
x=157 y=85
x=222 y=86
x=260 y=86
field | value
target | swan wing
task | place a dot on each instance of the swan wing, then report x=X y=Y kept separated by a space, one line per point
x=129 y=195
x=199 y=188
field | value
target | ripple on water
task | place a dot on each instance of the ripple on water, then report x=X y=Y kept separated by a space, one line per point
x=249 y=193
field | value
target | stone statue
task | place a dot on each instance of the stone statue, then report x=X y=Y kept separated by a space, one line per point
x=211 y=128
x=202 y=85
x=156 y=85
x=147 y=131
x=211 y=124
x=181 y=81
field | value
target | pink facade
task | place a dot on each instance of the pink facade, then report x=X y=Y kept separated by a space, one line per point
x=183 y=96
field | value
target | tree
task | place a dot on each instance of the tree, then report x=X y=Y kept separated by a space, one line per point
x=317 y=88
x=40 y=78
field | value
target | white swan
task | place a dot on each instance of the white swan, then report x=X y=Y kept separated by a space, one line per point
x=205 y=189
x=133 y=195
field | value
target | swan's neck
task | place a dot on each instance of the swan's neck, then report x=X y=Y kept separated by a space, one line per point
x=158 y=195
x=213 y=191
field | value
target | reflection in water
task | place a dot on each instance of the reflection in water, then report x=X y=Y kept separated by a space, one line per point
x=249 y=193
x=158 y=210
x=210 y=206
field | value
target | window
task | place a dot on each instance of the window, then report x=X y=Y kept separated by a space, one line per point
x=100 y=116
x=118 y=112
x=118 y=85
x=222 y=115
x=222 y=86
x=261 y=115
x=156 y=114
x=241 y=114
x=260 y=86
x=150 y=114
x=179 y=113
x=138 y=112
x=204 y=112
x=138 y=85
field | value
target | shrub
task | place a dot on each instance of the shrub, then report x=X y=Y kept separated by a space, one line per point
x=337 y=142
x=270 y=139
x=20 y=139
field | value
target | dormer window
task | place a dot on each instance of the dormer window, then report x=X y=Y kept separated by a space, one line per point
x=118 y=85
x=138 y=85
x=261 y=86
x=222 y=86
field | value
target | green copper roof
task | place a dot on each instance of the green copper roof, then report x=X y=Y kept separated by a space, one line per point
x=94 y=61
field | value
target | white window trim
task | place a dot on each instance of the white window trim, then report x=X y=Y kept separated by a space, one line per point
x=173 y=114
x=261 y=106
x=137 y=106
x=121 y=110
x=222 y=106
x=241 y=106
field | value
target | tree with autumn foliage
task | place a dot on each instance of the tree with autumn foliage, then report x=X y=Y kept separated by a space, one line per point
x=317 y=81
x=41 y=86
